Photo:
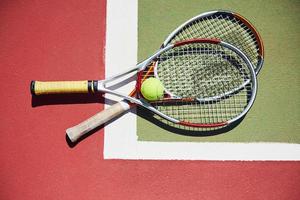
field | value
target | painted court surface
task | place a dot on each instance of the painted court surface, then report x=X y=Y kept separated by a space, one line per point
x=274 y=116
x=268 y=132
x=65 y=40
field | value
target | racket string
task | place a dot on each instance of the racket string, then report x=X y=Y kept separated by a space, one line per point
x=224 y=27
x=184 y=72
x=202 y=71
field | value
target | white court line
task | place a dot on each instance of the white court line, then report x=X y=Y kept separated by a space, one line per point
x=120 y=136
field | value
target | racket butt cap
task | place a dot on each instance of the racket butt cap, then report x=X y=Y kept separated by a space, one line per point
x=71 y=136
x=32 y=84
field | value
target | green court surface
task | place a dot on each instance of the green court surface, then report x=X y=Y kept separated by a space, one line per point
x=275 y=115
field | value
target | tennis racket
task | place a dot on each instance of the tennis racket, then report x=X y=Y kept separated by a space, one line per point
x=228 y=26
x=208 y=83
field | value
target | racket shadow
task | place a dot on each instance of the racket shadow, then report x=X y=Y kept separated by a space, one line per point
x=183 y=130
x=57 y=99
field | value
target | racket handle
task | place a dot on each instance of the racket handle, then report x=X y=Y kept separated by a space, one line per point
x=75 y=132
x=62 y=87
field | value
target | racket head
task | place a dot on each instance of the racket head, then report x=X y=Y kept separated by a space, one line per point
x=229 y=27
x=208 y=83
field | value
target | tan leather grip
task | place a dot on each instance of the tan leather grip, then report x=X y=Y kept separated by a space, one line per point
x=75 y=132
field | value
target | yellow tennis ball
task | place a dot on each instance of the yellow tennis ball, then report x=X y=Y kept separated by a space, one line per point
x=152 y=89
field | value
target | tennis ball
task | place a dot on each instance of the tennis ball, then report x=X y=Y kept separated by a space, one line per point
x=152 y=89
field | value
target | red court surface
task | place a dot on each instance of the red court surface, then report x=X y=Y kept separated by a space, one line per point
x=64 y=40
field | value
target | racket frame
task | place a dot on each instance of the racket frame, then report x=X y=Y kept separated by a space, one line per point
x=167 y=43
x=125 y=105
x=226 y=13
x=101 y=86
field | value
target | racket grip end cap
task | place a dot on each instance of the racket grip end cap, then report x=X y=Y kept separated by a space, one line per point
x=73 y=134
x=32 y=84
